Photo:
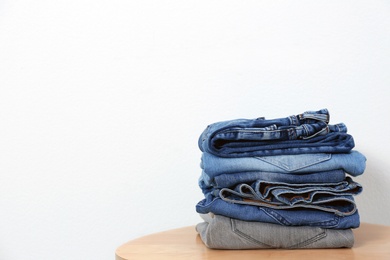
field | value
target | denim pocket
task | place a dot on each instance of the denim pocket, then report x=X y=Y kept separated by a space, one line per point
x=299 y=217
x=296 y=162
x=275 y=236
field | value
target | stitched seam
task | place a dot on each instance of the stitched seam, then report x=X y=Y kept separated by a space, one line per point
x=287 y=167
x=309 y=241
x=245 y=236
x=328 y=223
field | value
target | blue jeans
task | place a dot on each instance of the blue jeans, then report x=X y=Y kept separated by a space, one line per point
x=305 y=133
x=285 y=217
x=232 y=179
x=331 y=197
x=353 y=163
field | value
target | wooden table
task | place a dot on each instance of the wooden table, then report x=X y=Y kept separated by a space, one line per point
x=371 y=242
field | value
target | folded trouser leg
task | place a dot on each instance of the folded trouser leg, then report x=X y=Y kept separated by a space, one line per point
x=221 y=232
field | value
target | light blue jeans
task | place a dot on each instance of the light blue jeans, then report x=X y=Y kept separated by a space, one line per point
x=232 y=179
x=353 y=163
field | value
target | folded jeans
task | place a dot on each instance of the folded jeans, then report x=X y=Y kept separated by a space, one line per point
x=286 y=217
x=331 y=197
x=232 y=179
x=353 y=163
x=221 y=232
x=305 y=133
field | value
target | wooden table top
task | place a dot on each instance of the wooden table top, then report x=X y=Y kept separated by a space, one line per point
x=371 y=242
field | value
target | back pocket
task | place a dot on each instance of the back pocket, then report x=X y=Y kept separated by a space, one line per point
x=267 y=235
x=293 y=163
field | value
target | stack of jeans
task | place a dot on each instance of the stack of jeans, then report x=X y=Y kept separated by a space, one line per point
x=279 y=183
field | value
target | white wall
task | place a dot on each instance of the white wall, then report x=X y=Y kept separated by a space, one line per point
x=102 y=103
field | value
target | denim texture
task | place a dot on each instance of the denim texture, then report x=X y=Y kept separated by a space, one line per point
x=305 y=133
x=221 y=232
x=288 y=171
x=331 y=197
x=353 y=163
x=284 y=217
x=232 y=179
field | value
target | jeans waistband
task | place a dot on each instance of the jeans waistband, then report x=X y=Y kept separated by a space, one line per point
x=306 y=133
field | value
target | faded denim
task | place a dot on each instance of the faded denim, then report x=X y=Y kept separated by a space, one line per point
x=305 y=133
x=353 y=163
x=232 y=179
x=221 y=232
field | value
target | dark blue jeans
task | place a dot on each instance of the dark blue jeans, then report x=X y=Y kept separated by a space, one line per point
x=285 y=217
x=304 y=133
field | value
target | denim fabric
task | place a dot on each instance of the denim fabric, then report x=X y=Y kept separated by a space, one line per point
x=285 y=217
x=305 y=133
x=353 y=163
x=331 y=197
x=221 y=232
x=232 y=179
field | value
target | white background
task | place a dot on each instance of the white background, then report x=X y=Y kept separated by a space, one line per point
x=102 y=103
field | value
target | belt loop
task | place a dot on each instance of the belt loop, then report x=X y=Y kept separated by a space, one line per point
x=316 y=116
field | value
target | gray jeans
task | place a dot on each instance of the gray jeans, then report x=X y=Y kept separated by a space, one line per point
x=221 y=232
